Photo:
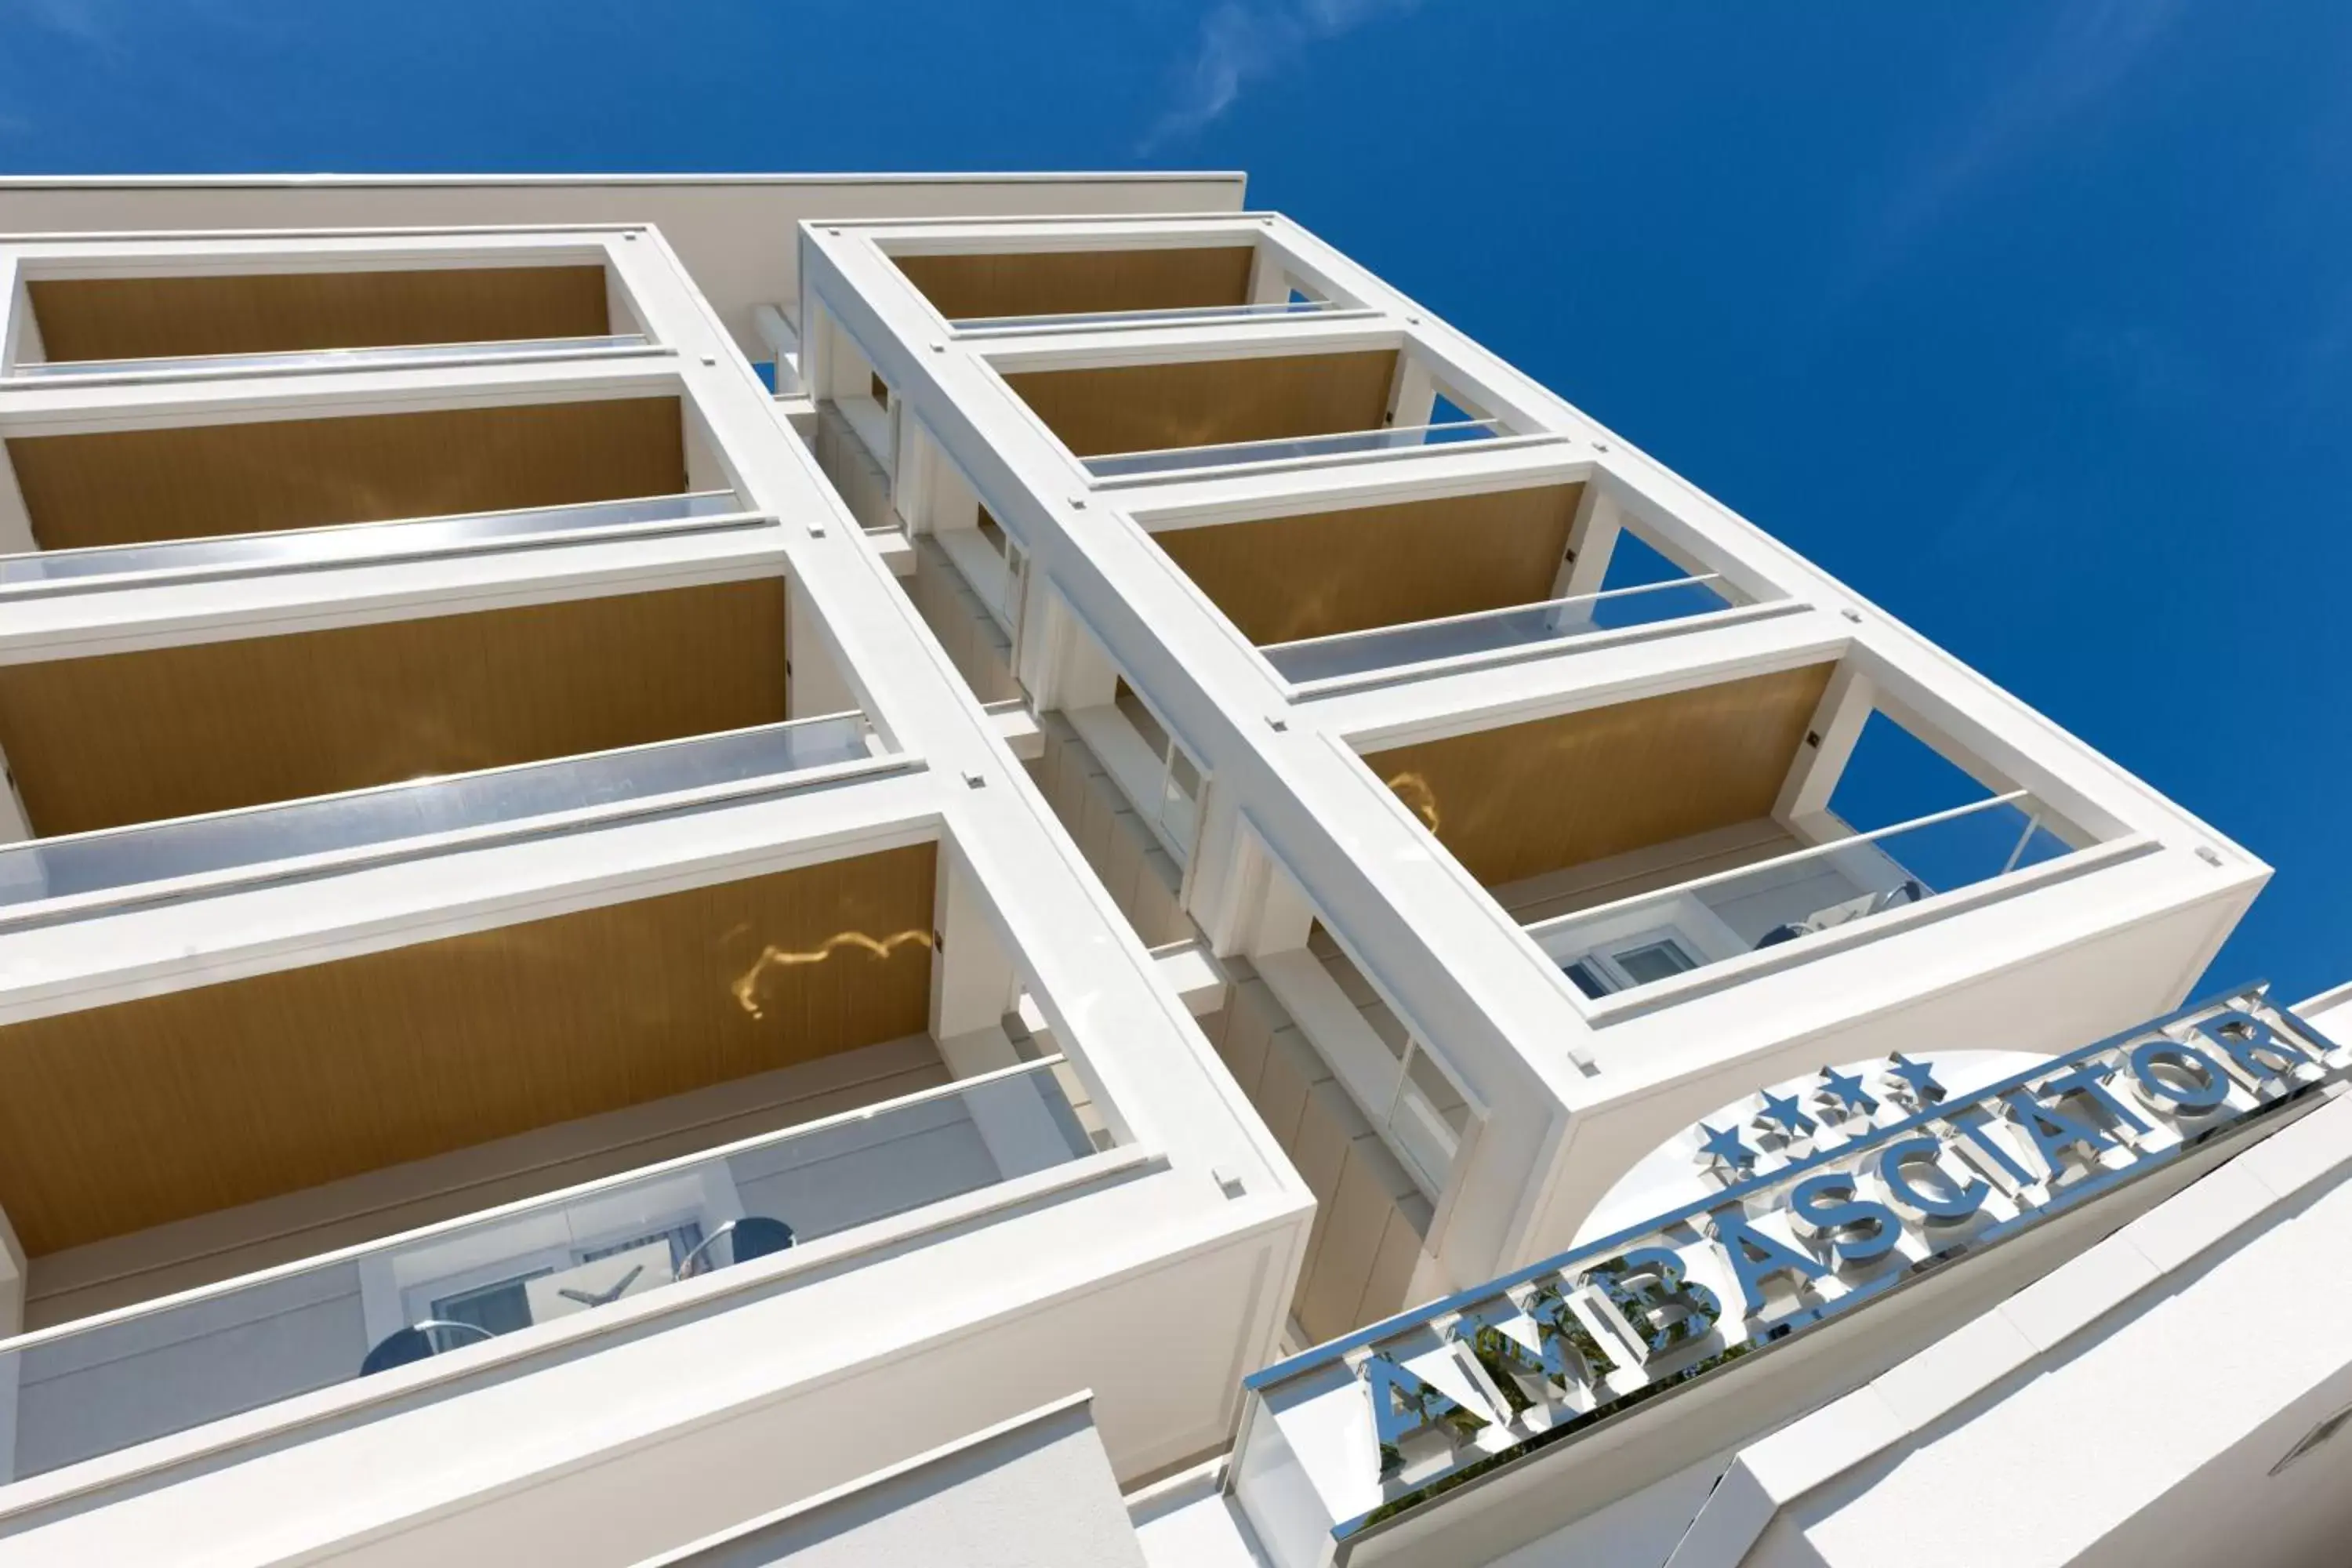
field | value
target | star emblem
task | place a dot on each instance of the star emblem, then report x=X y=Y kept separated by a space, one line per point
x=1721 y=1147
x=1917 y=1079
x=1787 y=1113
x=1845 y=1088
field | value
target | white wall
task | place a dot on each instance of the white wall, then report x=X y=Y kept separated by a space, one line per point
x=2126 y=1409
x=1035 y=1492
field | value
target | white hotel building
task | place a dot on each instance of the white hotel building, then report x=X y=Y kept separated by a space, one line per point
x=1013 y=870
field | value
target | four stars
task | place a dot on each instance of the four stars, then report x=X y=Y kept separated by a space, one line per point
x=1841 y=1096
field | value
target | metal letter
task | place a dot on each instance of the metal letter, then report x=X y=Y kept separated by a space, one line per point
x=2212 y=1083
x=1657 y=1306
x=2090 y=1080
x=1567 y=1355
x=1403 y=1406
x=1756 y=1256
x=2052 y=1130
x=2251 y=1045
x=1955 y=1204
x=1824 y=1212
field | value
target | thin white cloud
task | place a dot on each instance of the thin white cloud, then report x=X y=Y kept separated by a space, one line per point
x=2087 y=51
x=1243 y=41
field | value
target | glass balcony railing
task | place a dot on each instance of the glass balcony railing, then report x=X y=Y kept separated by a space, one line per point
x=1169 y=316
x=1513 y=629
x=105 y=1383
x=1340 y=443
x=330 y=359
x=196 y=560
x=338 y=828
x=1650 y=937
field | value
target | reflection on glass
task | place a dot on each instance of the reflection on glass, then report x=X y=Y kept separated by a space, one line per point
x=1176 y=315
x=40 y=870
x=1493 y=631
x=1655 y=936
x=1116 y=465
x=354 y=542
x=331 y=359
x=102 y=1385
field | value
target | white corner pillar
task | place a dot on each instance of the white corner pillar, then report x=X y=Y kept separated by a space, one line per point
x=815 y=680
x=973 y=983
x=1412 y=396
x=1822 y=755
x=16 y=522
x=12 y=1283
x=1592 y=541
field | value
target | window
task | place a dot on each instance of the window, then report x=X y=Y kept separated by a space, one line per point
x=1159 y=776
x=1631 y=961
x=1173 y=798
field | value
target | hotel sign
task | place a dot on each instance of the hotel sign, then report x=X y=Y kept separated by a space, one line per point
x=1828 y=1198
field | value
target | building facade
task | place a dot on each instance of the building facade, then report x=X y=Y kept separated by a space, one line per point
x=1013 y=869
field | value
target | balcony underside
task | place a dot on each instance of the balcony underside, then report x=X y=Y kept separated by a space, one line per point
x=1527 y=799
x=118 y=1119
x=1202 y=403
x=201 y=481
x=1321 y=574
x=153 y=318
x=1075 y=282
x=166 y=733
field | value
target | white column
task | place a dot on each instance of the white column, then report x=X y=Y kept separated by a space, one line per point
x=1269 y=279
x=1591 y=539
x=814 y=682
x=15 y=822
x=16 y=522
x=12 y=1281
x=1412 y=396
x=705 y=469
x=972 y=977
x=1821 y=756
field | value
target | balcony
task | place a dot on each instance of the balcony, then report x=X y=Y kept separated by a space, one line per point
x=83 y=329
x=52 y=879
x=1342 y=598
x=1139 y=424
x=1660 y=847
x=1005 y=293
x=109 y=741
x=283 y=1185
x=103 y=490
x=47 y=573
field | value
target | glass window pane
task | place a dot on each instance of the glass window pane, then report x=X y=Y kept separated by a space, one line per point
x=1655 y=960
x=1589 y=979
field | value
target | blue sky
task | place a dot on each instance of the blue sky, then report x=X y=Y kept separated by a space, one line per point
x=2033 y=322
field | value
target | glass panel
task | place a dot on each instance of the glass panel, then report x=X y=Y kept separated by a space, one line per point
x=1493 y=631
x=1338 y=443
x=1589 y=979
x=1139 y=713
x=1297 y=304
x=1180 y=807
x=333 y=358
x=128 y=857
x=88 y=1389
x=1655 y=960
x=354 y=542
x=1832 y=885
x=1427 y=1120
